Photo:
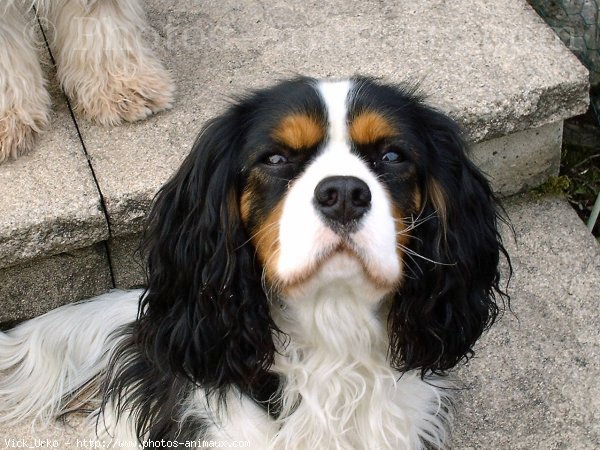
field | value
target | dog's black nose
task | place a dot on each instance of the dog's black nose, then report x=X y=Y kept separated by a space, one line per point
x=342 y=199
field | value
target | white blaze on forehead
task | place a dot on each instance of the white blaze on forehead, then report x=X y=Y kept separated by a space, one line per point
x=335 y=96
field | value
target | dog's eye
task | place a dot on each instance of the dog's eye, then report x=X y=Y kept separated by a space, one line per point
x=391 y=157
x=275 y=160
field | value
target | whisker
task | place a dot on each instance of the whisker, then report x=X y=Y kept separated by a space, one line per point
x=269 y=290
x=262 y=230
x=407 y=265
x=418 y=255
x=416 y=221
x=415 y=263
x=402 y=233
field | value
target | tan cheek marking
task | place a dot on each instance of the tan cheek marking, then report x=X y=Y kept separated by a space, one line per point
x=370 y=127
x=400 y=222
x=265 y=239
x=266 y=242
x=402 y=237
x=417 y=199
x=299 y=132
x=245 y=206
x=436 y=194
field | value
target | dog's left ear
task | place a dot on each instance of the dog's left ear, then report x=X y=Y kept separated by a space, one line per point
x=204 y=314
x=449 y=295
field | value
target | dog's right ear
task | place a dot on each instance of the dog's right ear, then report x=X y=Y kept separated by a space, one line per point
x=204 y=314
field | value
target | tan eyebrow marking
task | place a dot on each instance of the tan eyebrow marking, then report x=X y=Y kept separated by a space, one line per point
x=370 y=126
x=299 y=131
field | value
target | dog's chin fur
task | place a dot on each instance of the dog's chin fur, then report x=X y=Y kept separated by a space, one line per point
x=276 y=316
x=342 y=271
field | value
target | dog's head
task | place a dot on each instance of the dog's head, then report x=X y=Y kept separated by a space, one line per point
x=310 y=183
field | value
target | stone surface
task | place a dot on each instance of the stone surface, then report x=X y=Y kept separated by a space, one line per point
x=49 y=202
x=56 y=436
x=521 y=160
x=533 y=383
x=37 y=286
x=126 y=263
x=507 y=72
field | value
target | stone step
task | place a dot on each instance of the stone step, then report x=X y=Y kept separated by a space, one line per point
x=493 y=66
x=533 y=383
x=53 y=228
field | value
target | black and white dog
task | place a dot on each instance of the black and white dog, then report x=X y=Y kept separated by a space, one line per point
x=323 y=256
x=103 y=64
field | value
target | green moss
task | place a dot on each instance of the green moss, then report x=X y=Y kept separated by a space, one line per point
x=554 y=186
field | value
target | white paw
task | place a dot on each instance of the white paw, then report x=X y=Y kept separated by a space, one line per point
x=105 y=66
x=18 y=132
x=117 y=98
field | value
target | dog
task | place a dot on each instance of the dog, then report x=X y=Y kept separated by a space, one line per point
x=323 y=257
x=102 y=63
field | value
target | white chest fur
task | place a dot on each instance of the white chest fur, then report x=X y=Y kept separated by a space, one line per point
x=340 y=391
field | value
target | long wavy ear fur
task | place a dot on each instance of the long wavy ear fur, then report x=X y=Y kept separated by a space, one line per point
x=204 y=317
x=437 y=316
x=205 y=314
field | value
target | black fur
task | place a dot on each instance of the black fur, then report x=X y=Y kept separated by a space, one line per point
x=204 y=319
x=439 y=313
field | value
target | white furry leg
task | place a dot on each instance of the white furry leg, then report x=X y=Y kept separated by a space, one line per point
x=103 y=62
x=49 y=361
x=24 y=101
x=242 y=422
